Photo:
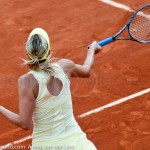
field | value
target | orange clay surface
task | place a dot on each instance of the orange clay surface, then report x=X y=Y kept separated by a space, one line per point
x=122 y=68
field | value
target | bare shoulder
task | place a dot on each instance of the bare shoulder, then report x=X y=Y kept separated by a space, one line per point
x=67 y=65
x=65 y=62
x=26 y=80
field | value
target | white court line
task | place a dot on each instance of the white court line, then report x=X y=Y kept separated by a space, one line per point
x=147 y=16
x=115 y=103
x=124 y=7
x=88 y=113
x=15 y=142
x=116 y=4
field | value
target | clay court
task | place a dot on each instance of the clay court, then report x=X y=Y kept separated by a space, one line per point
x=121 y=69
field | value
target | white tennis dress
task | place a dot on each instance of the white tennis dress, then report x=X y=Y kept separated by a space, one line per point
x=55 y=127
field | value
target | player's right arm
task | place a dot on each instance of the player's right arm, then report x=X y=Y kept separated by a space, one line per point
x=77 y=70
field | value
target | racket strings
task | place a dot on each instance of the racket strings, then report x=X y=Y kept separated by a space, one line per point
x=139 y=28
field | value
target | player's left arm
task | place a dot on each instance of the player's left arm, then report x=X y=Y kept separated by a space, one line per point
x=26 y=105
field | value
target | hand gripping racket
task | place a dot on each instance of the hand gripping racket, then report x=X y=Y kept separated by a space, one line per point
x=138 y=28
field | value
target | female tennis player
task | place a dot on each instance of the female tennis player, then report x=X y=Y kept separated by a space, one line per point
x=45 y=98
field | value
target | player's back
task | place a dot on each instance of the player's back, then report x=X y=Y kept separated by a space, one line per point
x=53 y=115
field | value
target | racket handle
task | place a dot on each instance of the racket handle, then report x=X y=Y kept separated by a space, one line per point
x=104 y=42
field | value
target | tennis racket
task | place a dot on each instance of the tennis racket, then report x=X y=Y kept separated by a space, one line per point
x=138 y=28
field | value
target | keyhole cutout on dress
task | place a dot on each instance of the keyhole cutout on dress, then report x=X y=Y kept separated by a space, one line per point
x=54 y=86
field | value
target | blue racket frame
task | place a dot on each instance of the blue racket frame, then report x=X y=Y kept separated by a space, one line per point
x=113 y=38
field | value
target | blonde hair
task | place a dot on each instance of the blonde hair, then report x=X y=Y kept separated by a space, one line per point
x=37 y=49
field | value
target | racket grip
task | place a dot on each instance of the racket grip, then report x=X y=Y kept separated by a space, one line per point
x=104 y=42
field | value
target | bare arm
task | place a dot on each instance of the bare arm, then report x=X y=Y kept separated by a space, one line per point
x=11 y=116
x=77 y=70
x=26 y=105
